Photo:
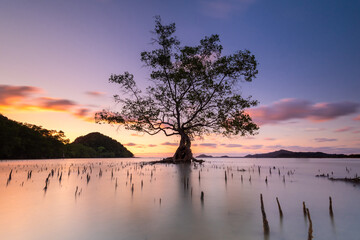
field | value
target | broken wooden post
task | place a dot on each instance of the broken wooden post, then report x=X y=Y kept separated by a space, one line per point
x=202 y=196
x=9 y=179
x=225 y=176
x=310 y=236
x=304 y=208
x=330 y=207
x=87 y=178
x=280 y=211
x=265 y=222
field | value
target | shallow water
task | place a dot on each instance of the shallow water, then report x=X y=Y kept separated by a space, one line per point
x=167 y=207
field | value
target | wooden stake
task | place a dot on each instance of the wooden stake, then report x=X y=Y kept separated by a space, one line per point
x=280 y=211
x=310 y=236
x=265 y=222
x=330 y=207
x=304 y=208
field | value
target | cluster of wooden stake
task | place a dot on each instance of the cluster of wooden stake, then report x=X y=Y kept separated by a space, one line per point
x=305 y=211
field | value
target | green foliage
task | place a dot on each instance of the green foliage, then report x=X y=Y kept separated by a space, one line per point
x=103 y=146
x=194 y=89
x=23 y=141
x=27 y=141
x=77 y=150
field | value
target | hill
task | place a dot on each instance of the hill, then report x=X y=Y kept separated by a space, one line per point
x=103 y=145
x=289 y=154
x=27 y=141
x=204 y=156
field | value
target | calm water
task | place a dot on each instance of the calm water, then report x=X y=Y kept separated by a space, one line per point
x=166 y=207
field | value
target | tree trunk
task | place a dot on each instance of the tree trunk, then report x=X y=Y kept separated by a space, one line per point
x=183 y=153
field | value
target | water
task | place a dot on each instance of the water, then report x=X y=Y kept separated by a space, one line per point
x=166 y=207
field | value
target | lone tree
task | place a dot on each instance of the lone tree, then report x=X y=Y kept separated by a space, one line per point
x=193 y=92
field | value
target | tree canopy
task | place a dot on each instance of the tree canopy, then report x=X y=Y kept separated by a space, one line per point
x=193 y=91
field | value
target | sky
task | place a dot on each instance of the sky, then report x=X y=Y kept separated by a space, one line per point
x=56 y=57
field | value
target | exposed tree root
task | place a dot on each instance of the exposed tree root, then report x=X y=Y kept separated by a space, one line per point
x=352 y=180
x=171 y=160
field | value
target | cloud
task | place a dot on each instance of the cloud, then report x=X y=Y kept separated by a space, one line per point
x=356 y=131
x=169 y=144
x=130 y=144
x=210 y=145
x=55 y=103
x=290 y=108
x=25 y=98
x=314 y=129
x=152 y=145
x=325 y=139
x=250 y=137
x=95 y=93
x=233 y=145
x=254 y=147
x=357 y=118
x=12 y=94
x=269 y=139
x=82 y=112
x=343 y=129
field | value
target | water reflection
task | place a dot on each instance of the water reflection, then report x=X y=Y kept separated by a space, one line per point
x=122 y=199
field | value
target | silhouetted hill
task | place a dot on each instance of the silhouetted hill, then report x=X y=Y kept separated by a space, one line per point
x=204 y=156
x=289 y=154
x=103 y=145
x=27 y=141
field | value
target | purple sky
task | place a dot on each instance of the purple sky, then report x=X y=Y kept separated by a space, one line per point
x=56 y=57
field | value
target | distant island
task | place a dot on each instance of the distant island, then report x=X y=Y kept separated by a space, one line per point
x=289 y=154
x=204 y=156
x=27 y=141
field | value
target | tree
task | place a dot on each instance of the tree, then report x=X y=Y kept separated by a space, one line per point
x=193 y=91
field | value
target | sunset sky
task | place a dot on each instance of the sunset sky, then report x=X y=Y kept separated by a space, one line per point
x=56 y=58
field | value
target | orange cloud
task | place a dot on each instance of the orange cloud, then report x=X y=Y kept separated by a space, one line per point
x=10 y=95
x=95 y=93
x=56 y=104
x=24 y=98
